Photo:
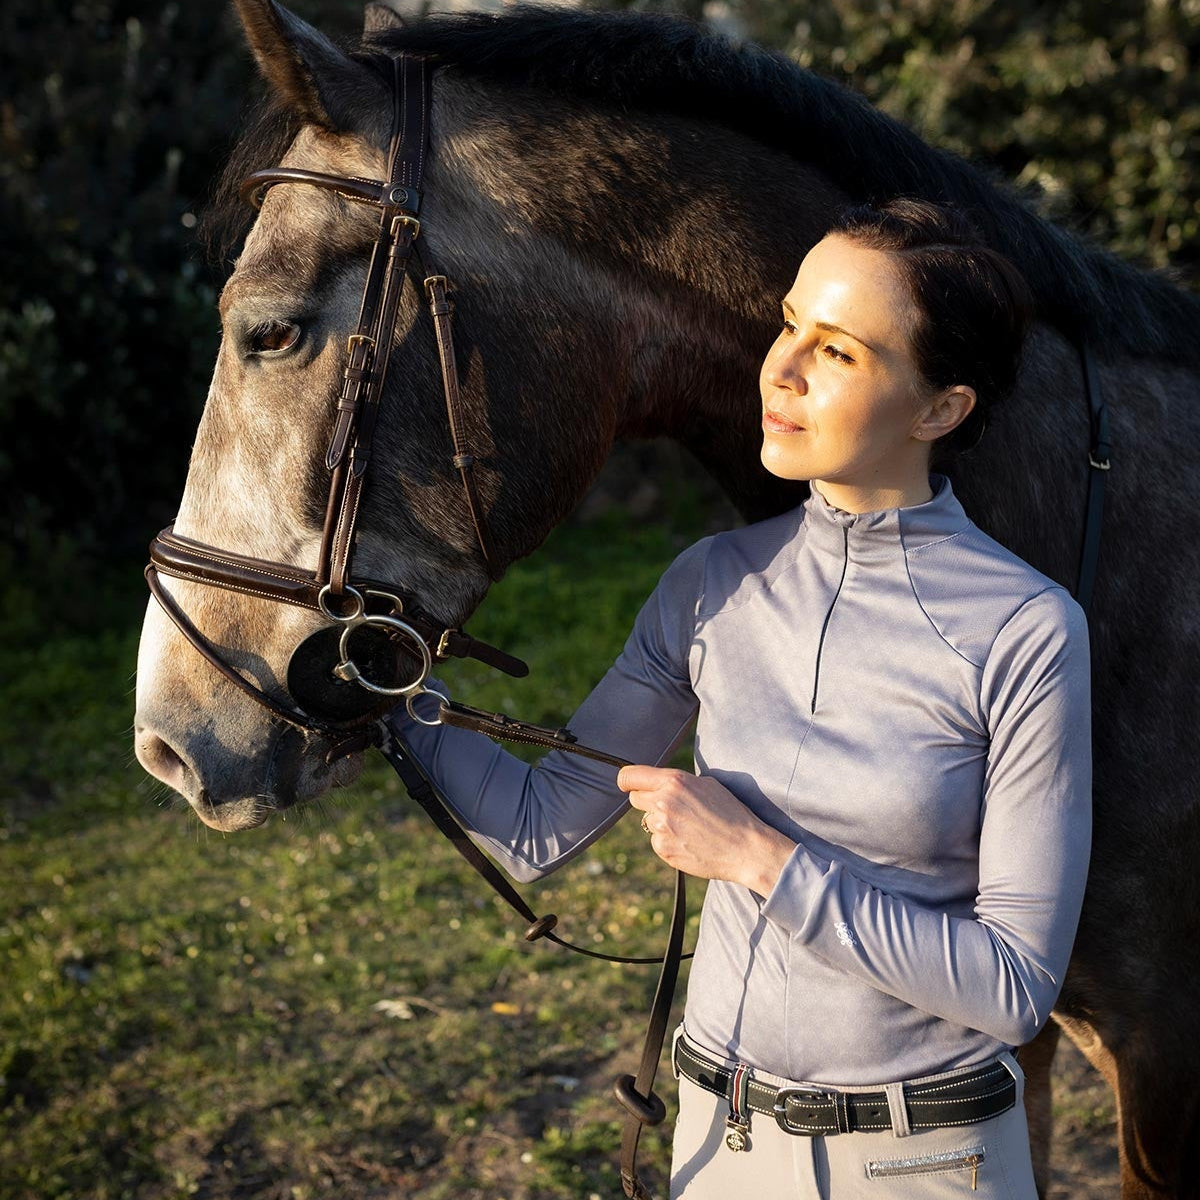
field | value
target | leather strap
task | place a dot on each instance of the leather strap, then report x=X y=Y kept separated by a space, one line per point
x=500 y=725
x=347 y=738
x=636 y=1094
x=365 y=191
x=823 y=1112
x=181 y=557
x=365 y=373
x=427 y=794
x=463 y=460
x=1099 y=461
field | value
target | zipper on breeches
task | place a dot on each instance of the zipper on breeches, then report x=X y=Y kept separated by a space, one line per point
x=929 y=1164
x=825 y=623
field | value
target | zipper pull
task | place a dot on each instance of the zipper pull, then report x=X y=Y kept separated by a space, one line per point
x=974 y=1161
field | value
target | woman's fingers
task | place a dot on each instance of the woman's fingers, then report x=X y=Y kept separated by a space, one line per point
x=651 y=789
x=697 y=825
x=643 y=779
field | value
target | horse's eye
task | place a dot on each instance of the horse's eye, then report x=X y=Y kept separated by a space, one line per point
x=271 y=337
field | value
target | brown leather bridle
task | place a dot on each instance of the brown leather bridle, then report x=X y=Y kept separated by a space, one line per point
x=331 y=694
x=383 y=611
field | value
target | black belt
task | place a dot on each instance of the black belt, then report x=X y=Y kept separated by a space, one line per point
x=819 y=1112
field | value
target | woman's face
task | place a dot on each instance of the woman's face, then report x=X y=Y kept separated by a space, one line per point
x=843 y=404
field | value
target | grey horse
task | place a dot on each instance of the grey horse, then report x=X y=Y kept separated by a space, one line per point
x=620 y=202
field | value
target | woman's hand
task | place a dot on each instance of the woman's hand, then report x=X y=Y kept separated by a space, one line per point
x=701 y=827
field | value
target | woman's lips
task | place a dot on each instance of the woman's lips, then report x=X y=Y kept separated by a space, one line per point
x=774 y=423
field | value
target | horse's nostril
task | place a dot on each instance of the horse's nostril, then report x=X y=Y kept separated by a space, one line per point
x=159 y=759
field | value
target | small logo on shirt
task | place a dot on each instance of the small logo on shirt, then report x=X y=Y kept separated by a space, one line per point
x=844 y=935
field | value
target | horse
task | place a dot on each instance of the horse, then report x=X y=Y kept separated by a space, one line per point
x=620 y=201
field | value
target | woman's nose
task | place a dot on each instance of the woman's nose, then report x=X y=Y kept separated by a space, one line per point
x=784 y=368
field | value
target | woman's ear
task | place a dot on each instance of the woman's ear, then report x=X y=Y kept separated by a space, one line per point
x=946 y=411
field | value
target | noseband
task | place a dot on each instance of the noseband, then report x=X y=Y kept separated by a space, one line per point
x=380 y=647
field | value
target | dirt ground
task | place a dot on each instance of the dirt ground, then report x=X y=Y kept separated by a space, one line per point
x=1085 y=1130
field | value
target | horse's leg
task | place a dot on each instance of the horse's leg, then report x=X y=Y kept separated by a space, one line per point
x=1036 y=1058
x=1154 y=1072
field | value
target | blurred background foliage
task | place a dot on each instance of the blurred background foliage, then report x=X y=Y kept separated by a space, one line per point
x=115 y=115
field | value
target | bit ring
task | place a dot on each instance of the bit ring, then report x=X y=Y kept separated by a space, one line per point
x=348 y=668
x=412 y=712
x=343 y=618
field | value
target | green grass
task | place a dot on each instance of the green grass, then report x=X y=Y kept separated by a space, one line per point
x=190 y=1014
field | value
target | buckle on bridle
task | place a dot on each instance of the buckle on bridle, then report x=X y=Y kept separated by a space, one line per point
x=779 y=1109
x=405 y=219
x=442 y=282
x=364 y=339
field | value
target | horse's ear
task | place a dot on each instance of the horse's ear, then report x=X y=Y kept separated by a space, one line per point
x=379 y=18
x=307 y=72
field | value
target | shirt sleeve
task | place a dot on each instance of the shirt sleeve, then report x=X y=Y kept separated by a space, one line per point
x=1000 y=971
x=533 y=819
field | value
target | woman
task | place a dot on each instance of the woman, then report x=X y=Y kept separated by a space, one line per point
x=893 y=751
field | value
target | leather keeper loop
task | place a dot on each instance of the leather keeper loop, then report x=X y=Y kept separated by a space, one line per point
x=649 y=1110
x=541 y=927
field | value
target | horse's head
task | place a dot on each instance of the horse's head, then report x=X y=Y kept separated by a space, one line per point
x=258 y=482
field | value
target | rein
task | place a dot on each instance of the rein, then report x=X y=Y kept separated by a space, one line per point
x=330 y=694
x=378 y=646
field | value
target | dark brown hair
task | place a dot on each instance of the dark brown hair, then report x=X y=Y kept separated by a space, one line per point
x=974 y=305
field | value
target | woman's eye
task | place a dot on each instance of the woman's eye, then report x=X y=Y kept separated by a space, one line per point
x=790 y=329
x=272 y=337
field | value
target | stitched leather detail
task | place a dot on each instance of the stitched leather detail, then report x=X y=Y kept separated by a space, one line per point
x=814 y=1111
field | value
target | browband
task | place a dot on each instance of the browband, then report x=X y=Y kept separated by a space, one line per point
x=353 y=187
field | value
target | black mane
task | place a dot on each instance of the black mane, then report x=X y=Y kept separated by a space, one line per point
x=657 y=62
x=268 y=129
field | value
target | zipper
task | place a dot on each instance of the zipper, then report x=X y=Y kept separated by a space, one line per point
x=929 y=1164
x=825 y=624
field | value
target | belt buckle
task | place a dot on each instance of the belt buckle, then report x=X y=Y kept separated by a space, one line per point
x=779 y=1109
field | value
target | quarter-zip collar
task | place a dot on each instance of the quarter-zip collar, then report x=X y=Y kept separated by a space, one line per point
x=884 y=533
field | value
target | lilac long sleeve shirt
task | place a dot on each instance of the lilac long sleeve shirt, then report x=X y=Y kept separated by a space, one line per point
x=906 y=699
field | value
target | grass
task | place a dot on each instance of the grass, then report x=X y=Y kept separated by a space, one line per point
x=331 y=1005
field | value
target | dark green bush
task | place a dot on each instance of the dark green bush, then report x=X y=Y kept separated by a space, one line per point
x=114 y=121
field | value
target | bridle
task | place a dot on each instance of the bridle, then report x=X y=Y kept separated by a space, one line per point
x=389 y=629
x=340 y=691
x=342 y=678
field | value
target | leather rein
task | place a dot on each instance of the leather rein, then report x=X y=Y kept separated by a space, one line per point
x=399 y=634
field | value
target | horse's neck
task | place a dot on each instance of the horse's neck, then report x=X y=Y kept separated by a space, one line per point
x=696 y=233
x=693 y=377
